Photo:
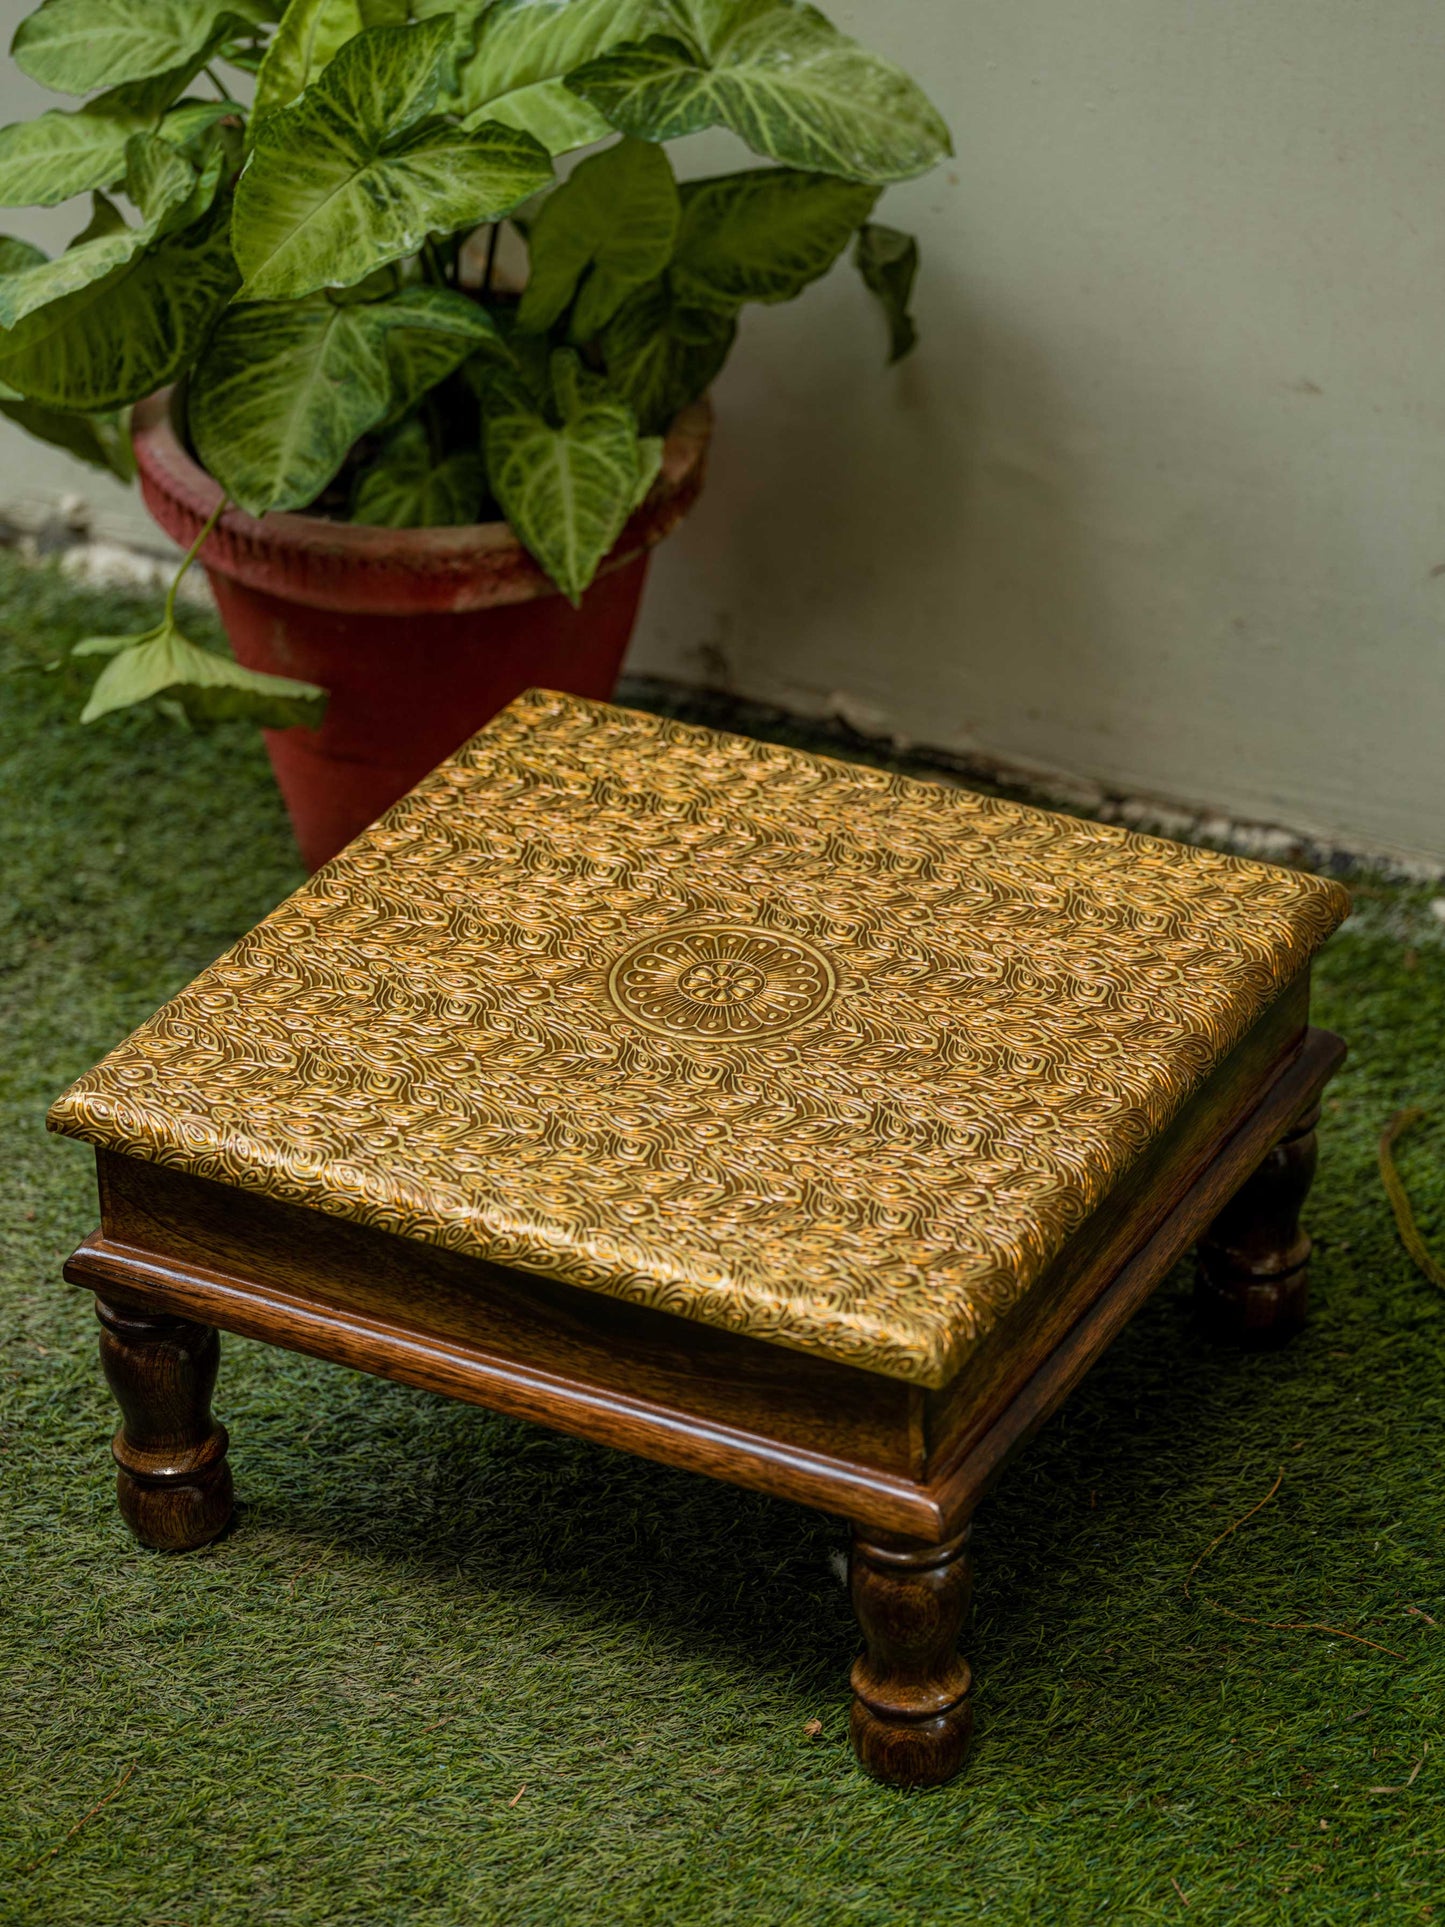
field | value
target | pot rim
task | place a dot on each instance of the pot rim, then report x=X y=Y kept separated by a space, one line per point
x=360 y=567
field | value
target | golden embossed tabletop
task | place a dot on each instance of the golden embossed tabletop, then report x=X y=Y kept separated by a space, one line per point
x=827 y=1056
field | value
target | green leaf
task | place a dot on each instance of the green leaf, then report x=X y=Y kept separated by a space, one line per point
x=466 y=14
x=463 y=17
x=208 y=177
x=160 y=182
x=211 y=136
x=550 y=113
x=661 y=354
x=46 y=161
x=17 y=255
x=527 y=357
x=101 y=440
x=422 y=355
x=105 y=219
x=650 y=450
x=74 y=46
x=284 y=389
x=573 y=387
x=782 y=78
x=123 y=336
x=158 y=178
x=190 y=125
x=60 y=154
x=354 y=174
x=887 y=259
x=407 y=488
x=210 y=688
x=763 y=235
x=526 y=48
x=568 y=490
x=311 y=33
x=615 y=221
x=248 y=50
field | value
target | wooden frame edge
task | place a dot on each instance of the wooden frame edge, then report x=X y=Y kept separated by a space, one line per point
x=871 y=1499
x=958 y=1488
x=412 y=1357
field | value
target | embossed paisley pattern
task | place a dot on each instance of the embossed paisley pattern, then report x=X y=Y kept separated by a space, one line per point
x=721 y=984
x=828 y=1056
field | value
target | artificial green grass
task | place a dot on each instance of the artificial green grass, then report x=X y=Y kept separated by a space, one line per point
x=422 y=1610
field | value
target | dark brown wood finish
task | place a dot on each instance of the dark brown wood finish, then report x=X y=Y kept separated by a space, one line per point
x=734 y=1409
x=395 y=1350
x=1253 y=1281
x=452 y=1302
x=965 y=1476
x=911 y=1720
x=1001 y=1364
x=172 y=1479
x=179 y=1256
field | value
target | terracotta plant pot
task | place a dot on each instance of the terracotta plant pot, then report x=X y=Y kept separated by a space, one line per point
x=419 y=635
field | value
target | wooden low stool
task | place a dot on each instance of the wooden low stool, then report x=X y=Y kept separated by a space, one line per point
x=799 y=1124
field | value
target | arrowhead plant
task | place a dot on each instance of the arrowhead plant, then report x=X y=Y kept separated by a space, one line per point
x=297 y=265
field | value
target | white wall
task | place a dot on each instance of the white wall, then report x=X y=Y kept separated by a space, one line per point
x=1160 y=498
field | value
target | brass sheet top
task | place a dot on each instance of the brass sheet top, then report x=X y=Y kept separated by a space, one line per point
x=823 y=1055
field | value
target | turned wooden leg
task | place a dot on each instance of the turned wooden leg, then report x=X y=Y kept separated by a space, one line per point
x=172 y=1481
x=911 y=1718
x=1253 y=1283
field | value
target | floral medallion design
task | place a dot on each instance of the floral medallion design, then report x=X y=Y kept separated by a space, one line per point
x=721 y=983
x=1011 y=1008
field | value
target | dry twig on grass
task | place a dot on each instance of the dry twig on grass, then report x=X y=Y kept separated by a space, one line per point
x=1405 y=1785
x=35 y=1865
x=1395 y=1191
x=1274 y=1625
x=1230 y=1530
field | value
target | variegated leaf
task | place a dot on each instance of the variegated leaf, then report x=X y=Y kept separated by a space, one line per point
x=568 y=490
x=311 y=33
x=285 y=388
x=550 y=113
x=763 y=235
x=75 y=46
x=191 y=124
x=59 y=154
x=525 y=48
x=614 y=222
x=123 y=336
x=406 y=487
x=161 y=183
x=662 y=355
x=782 y=78
x=355 y=174
x=17 y=255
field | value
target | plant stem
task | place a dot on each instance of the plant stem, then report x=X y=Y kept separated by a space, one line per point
x=433 y=263
x=435 y=431
x=220 y=86
x=190 y=555
x=492 y=240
